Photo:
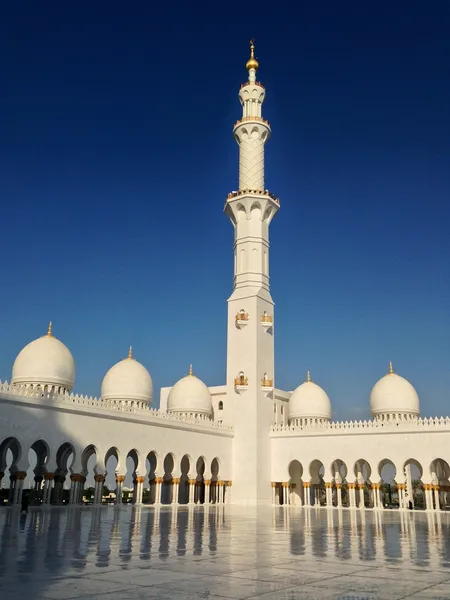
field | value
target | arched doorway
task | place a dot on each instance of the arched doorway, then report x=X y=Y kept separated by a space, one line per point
x=296 y=492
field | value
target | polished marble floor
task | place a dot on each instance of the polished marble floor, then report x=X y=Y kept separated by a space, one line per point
x=135 y=553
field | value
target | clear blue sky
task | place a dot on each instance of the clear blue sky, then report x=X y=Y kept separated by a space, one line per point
x=116 y=155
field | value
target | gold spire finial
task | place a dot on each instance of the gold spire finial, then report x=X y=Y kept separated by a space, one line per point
x=130 y=352
x=308 y=375
x=49 y=330
x=391 y=370
x=252 y=63
x=190 y=370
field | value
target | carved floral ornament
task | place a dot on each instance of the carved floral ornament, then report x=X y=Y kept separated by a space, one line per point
x=265 y=318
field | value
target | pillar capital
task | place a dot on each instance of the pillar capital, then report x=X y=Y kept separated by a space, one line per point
x=49 y=476
x=158 y=479
x=99 y=478
x=120 y=478
x=229 y=483
x=307 y=484
x=207 y=481
x=192 y=481
x=328 y=484
x=139 y=479
x=175 y=480
x=20 y=475
x=220 y=482
x=78 y=477
x=351 y=486
x=401 y=486
x=273 y=484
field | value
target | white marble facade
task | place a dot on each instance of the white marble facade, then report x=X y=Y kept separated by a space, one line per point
x=243 y=442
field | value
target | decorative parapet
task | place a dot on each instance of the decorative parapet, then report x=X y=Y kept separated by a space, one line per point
x=236 y=194
x=115 y=407
x=340 y=427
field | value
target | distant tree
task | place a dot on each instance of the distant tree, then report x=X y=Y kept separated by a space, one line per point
x=89 y=493
x=105 y=491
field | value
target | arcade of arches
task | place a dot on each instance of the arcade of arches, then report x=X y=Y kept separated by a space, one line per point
x=155 y=479
x=361 y=486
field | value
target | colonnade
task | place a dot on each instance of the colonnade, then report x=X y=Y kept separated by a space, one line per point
x=49 y=488
x=358 y=495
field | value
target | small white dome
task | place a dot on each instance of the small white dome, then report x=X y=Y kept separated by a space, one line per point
x=189 y=395
x=45 y=361
x=128 y=380
x=309 y=401
x=393 y=394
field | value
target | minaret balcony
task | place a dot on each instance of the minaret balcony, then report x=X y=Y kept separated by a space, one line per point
x=241 y=383
x=266 y=384
x=239 y=193
x=266 y=320
x=251 y=118
x=241 y=319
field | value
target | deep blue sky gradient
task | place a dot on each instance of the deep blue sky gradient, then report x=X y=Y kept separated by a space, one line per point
x=116 y=155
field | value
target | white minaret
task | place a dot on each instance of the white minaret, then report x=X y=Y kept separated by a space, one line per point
x=250 y=352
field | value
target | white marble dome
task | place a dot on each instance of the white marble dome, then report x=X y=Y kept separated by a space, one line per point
x=190 y=395
x=309 y=401
x=127 y=380
x=45 y=362
x=393 y=394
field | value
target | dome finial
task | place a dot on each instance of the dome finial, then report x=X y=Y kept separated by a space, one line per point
x=252 y=63
x=190 y=370
x=391 y=370
x=130 y=352
x=308 y=375
x=49 y=330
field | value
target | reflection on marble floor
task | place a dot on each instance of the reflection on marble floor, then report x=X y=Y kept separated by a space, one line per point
x=223 y=552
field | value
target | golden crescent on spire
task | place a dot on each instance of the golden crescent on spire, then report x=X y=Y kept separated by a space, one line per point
x=49 y=330
x=308 y=375
x=391 y=370
x=252 y=63
x=130 y=352
x=190 y=370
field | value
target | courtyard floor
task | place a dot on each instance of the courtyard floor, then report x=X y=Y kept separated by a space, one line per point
x=137 y=553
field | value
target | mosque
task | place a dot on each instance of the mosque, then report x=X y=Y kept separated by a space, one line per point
x=243 y=442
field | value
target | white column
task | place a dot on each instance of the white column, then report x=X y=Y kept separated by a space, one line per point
x=339 y=494
x=228 y=492
x=307 y=488
x=329 y=494
x=175 y=489
x=48 y=484
x=191 y=491
x=274 y=491
x=119 y=488
x=351 y=495
x=19 y=477
x=138 y=489
x=98 y=488
x=437 y=504
x=219 y=498
x=207 y=491
x=158 y=491
x=361 y=502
